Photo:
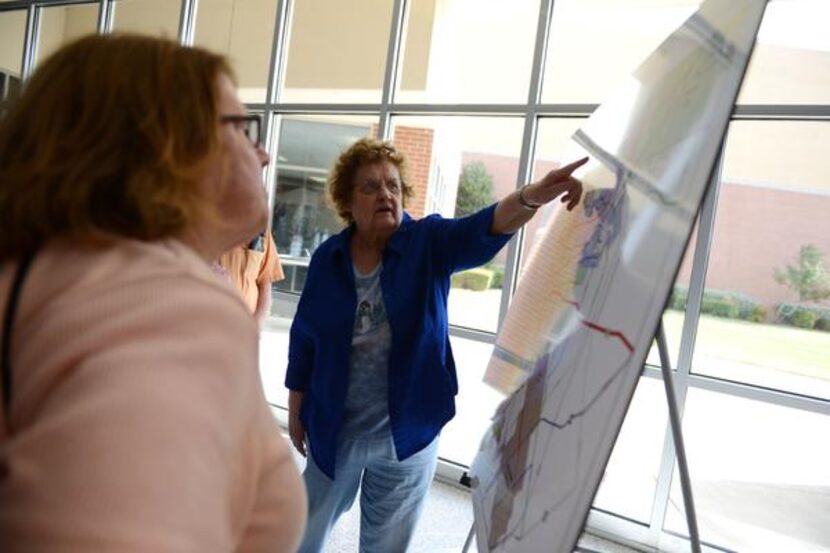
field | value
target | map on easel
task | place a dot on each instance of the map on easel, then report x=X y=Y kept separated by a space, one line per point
x=574 y=340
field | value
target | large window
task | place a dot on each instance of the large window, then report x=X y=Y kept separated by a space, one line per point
x=481 y=103
x=243 y=30
x=765 y=316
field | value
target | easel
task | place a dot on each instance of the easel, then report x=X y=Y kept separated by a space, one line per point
x=677 y=437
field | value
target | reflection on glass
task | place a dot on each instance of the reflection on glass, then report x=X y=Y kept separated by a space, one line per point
x=12 y=37
x=766 y=307
x=61 y=25
x=458 y=165
x=302 y=220
x=759 y=474
x=337 y=51
x=791 y=61
x=581 y=66
x=147 y=17
x=468 y=51
x=630 y=478
x=243 y=30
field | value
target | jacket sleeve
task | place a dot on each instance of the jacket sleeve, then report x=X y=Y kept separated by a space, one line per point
x=466 y=242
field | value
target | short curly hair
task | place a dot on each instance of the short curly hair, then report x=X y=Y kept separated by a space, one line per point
x=365 y=151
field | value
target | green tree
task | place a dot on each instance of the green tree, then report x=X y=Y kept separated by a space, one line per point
x=475 y=189
x=808 y=277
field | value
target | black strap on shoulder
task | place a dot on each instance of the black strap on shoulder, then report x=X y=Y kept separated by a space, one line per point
x=8 y=321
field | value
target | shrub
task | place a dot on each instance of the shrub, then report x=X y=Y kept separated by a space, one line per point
x=720 y=304
x=498 y=275
x=823 y=324
x=804 y=318
x=758 y=314
x=720 y=307
x=679 y=297
x=749 y=309
x=474 y=279
x=732 y=305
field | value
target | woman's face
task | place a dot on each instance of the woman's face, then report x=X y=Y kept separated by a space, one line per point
x=377 y=198
x=235 y=176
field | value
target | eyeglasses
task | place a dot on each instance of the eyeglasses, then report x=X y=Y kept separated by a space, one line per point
x=249 y=124
x=373 y=187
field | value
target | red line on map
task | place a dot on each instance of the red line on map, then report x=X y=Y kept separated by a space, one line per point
x=609 y=332
x=565 y=298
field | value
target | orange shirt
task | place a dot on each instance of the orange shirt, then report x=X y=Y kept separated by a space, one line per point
x=247 y=268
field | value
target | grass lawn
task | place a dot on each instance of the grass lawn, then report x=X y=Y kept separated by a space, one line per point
x=784 y=348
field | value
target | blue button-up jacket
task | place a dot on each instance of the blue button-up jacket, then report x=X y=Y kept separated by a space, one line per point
x=417 y=263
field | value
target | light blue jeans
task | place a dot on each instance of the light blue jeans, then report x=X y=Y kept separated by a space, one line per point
x=392 y=494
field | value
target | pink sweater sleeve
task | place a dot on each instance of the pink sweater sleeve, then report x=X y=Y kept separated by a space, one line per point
x=144 y=427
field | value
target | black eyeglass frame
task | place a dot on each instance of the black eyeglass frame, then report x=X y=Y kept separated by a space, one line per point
x=253 y=126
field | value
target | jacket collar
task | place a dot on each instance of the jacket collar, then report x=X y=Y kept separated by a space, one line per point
x=396 y=242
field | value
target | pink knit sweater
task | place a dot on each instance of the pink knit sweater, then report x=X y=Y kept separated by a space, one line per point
x=138 y=419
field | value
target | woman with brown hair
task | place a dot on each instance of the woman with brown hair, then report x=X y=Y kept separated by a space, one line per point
x=133 y=415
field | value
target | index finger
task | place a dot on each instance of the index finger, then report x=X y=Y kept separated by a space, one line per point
x=572 y=166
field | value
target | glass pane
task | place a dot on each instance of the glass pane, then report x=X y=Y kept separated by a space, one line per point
x=630 y=478
x=581 y=68
x=468 y=51
x=458 y=165
x=243 y=30
x=791 y=60
x=674 y=315
x=766 y=308
x=148 y=17
x=307 y=147
x=552 y=138
x=12 y=37
x=61 y=25
x=475 y=403
x=759 y=475
x=337 y=51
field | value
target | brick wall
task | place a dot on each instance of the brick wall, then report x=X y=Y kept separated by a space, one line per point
x=416 y=144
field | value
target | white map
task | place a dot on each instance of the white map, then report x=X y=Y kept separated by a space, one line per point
x=584 y=315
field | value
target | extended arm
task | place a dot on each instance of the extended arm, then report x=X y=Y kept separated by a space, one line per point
x=517 y=208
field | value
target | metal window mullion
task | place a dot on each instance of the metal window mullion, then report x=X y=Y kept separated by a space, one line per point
x=747 y=390
x=276 y=76
x=563 y=111
x=26 y=4
x=769 y=396
x=531 y=124
x=700 y=263
x=392 y=70
x=30 y=41
x=187 y=21
x=279 y=51
x=105 y=11
x=785 y=112
x=480 y=336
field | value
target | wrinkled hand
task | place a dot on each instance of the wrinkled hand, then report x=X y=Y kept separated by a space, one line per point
x=296 y=432
x=558 y=182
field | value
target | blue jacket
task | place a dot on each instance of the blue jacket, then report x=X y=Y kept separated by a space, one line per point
x=415 y=280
